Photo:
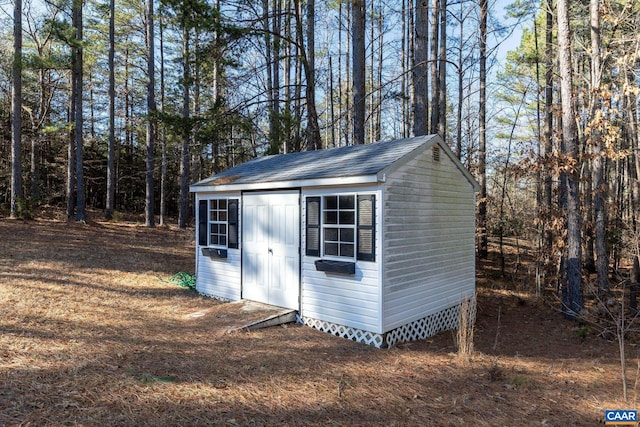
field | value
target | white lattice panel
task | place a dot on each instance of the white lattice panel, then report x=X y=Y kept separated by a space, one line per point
x=420 y=329
x=423 y=328
x=342 y=331
x=214 y=297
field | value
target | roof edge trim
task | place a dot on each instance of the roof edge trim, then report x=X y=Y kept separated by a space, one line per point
x=324 y=182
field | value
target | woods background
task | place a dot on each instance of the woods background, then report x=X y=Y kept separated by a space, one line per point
x=119 y=106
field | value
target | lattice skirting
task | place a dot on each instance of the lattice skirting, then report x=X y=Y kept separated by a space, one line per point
x=420 y=329
x=426 y=327
x=215 y=297
x=354 y=334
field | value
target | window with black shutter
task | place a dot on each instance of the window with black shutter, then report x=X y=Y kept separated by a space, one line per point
x=233 y=224
x=218 y=223
x=341 y=227
x=203 y=220
x=366 y=227
x=338 y=226
x=313 y=226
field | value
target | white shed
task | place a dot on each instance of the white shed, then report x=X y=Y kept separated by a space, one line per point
x=369 y=242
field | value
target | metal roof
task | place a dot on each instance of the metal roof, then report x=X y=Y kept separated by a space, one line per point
x=342 y=162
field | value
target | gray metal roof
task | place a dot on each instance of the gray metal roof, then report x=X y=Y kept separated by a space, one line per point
x=353 y=160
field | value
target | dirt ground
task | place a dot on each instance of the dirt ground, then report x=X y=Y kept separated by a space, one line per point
x=92 y=334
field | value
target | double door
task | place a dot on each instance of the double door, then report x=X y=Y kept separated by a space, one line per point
x=270 y=248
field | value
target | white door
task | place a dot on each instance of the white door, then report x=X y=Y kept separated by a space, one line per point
x=270 y=248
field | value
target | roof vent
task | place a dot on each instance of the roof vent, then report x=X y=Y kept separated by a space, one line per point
x=436 y=153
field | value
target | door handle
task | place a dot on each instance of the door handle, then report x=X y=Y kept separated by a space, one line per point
x=271 y=251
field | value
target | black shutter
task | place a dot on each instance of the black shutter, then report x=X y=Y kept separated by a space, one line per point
x=313 y=226
x=203 y=218
x=232 y=206
x=366 y=228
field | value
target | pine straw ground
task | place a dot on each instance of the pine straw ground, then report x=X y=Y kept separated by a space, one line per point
x=90 y=335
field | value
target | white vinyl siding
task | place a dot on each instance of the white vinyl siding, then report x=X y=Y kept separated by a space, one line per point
x=429 y=232
x=218 y=277
x=349 y=300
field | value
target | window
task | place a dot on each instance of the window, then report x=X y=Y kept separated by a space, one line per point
x=218 y=223
x=338 y=226
x=343 y=226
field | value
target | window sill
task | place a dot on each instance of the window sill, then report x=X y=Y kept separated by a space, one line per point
x=214 y=253
x=340 y=267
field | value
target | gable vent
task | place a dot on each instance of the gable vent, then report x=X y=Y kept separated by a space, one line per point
x=436 y=153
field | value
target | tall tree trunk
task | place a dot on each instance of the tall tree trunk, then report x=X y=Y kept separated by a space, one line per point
x=460 y=73
x=341 y=118
x=377 y=135
x=404 y=86
x=38 y=139
x=372 y=89
x=348 y=114
x=79 y=111
x=275 y=64
x=442 y=73
x=548 y=125
x=16 y=110
x=358 y=20
x=111 y=150
x=71 y=146
x=197 y=160
x=420 y=69
x=149 y=199
x=332 y=113
x=433 y=60
x=599 y=158
x=289 y=54
x=183 y=214
x=572 y=298
x=163 y=139
x=314 y=141
x=483 y=244
x=268 y=42
x=634 y=137
x=539 y=203
x=298 y=87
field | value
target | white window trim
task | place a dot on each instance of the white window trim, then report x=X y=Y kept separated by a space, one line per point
x=225 y=222
x=353 y=227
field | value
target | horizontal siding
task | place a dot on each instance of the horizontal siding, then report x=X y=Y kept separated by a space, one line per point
x=220 y=277
x=352 y=301
x=429 y=240
x=346 y=300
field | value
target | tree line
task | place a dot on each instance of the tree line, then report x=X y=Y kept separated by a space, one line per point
x=121 y=105
x=107 y=95
x=571 y=129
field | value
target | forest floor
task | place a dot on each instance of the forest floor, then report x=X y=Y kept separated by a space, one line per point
x=91 y=333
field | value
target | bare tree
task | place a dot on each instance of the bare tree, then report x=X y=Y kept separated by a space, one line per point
x=80 y=201
x=358 y=21
x=572 y=298
x=16 y=110
x=483 y=244
x=599 y=158
x=183 y=213
x=548 y=121
x=151 y=112
x=111 y=150
x=163 y=139
x=433 y=62
x=420 y=69
x=314 y=141
x=442 y=73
